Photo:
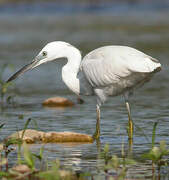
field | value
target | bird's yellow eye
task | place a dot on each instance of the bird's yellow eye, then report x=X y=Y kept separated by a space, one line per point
x=44 y=53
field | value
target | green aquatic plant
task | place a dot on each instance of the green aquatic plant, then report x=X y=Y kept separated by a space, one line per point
x=4 y=85
x=116 y=163
x=4 y=151
x=6 y=146
x=157 y=153
x=29 y=159
x=26 y=159
x=52 y=173
x=154 y=134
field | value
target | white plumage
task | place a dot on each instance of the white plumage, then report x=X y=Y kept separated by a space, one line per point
x=106 y=71
x=113 y=70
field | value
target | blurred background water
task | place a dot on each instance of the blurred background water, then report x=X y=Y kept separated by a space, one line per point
x=25 y=27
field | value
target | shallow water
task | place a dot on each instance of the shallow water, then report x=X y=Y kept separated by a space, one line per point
x=22 y=37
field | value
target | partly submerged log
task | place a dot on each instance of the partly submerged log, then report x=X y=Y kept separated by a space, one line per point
x=33 y=136
x=57 y=102
x=66 y=137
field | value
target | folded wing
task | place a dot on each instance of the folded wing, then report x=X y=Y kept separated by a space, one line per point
x=112 y=64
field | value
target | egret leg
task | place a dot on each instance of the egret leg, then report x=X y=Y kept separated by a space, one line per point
x=130 y=122
x=97 y=132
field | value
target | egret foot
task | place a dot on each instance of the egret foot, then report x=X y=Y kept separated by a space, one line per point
x=96 y=135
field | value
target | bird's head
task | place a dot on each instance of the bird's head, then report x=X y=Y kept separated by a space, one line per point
x=51 y=51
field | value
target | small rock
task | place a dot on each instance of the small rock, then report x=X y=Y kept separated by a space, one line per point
x=65 y=174
x=21 y=168
x=57 y=102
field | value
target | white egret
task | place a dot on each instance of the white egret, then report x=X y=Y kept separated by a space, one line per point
x=106 y=71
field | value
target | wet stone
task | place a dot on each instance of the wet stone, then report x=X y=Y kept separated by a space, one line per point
x=21 y=169
x=57 y=102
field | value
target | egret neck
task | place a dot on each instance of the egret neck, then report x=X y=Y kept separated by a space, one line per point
x=71 y=69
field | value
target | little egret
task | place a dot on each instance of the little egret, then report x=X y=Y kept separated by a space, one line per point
x=106 y=71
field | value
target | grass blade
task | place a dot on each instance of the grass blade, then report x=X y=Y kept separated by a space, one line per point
x=25 y=127
x=143 y=133
x=154 y=133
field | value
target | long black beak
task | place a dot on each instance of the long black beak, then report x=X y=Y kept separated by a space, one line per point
x=23 y=70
